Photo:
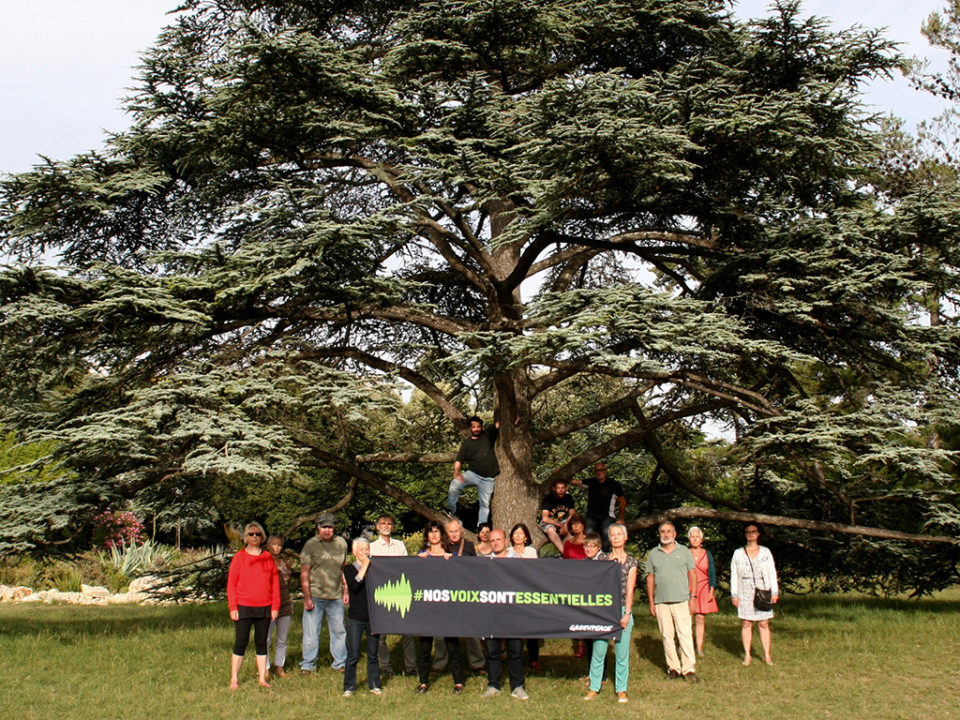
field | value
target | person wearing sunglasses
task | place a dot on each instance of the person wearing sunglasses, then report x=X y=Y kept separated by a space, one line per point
x=253 y=597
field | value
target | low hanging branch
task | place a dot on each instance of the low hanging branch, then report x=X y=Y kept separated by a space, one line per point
x=653 y=519
x=401 y=457
x=339 y=505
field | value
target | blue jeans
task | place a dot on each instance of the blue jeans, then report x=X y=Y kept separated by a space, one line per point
x=484 y=487
x=621 y=651
x=312 y=620
x=355 y=631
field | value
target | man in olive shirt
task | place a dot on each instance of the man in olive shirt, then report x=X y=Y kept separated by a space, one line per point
x=671 y=588
x=321 y=579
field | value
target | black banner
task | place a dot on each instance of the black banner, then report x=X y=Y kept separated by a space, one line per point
x=484 y=597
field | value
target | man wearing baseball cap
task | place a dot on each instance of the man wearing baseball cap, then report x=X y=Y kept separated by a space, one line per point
x=321 y=579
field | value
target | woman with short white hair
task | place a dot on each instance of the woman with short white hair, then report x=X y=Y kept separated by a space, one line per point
x=705 y=601
x=358 y=622
x=617 y=534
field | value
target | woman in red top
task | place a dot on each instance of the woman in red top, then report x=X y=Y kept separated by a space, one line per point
x=573 y=547
x=253 y=595
x=573 y=550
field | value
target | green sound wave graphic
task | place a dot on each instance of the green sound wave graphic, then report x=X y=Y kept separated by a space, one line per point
x=395 y=595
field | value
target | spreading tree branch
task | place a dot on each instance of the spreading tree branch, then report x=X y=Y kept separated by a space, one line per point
x=743 y=516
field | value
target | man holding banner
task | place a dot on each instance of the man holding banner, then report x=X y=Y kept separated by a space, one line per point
x=514 y=651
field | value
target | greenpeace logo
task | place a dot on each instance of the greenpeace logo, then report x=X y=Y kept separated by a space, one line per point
x=591 y=628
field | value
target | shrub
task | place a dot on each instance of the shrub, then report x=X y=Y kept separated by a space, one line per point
x=113 y=528
x=68 y=578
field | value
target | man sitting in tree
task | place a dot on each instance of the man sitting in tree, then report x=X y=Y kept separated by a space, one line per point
x=556 y=511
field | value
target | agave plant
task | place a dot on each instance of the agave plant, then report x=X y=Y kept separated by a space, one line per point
x=133 y=560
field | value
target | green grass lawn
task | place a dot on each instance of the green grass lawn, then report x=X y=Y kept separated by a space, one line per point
x=836 y=657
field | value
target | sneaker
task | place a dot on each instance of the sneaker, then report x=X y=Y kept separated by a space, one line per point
x=341 y=669
x=376 y=691
x=421 y=689
x=519 y=693
x=458 y=689
x=673 y=674
x=691 y=677
x=622 y=697
x=347 y=693
x=490 y=692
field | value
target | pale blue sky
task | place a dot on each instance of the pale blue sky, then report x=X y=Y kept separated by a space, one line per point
x=65 y=66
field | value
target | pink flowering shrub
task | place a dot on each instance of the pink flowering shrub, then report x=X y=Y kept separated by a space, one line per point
x=115 y=528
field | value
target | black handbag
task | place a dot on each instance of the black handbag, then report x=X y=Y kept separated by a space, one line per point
x=762 y=599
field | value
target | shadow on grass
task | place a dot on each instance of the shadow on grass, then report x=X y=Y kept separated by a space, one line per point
x=850 y=605
x=71 y=621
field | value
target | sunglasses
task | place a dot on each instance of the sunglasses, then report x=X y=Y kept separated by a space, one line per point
x=254 y=534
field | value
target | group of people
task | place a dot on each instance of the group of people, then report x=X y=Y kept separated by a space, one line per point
x=680 y=584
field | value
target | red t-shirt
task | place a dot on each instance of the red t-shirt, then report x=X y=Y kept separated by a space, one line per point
x=574 y=551
x=253 y=581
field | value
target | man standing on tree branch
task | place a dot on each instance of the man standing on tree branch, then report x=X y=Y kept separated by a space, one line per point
x=477 y=452
x=604 y=496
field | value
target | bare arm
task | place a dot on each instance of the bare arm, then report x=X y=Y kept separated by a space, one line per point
x=545 y=518
x=631 y=587
x=305 y=587
x=651 y=586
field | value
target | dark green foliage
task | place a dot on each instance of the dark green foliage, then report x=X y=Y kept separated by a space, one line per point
x=615 y=227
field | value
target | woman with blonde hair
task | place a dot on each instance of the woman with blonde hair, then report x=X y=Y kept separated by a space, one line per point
x=253 y=597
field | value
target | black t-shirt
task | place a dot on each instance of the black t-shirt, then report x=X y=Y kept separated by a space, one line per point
x=468 y=549
x=601 y=497
x=479 y=455
x=560 y=508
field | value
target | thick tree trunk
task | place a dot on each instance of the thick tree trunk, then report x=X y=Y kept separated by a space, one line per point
x=517 y=495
